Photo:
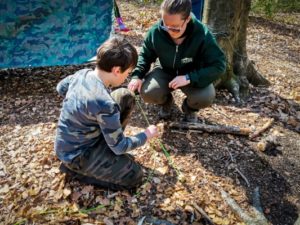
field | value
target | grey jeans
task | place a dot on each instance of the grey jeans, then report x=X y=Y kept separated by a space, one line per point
x=155 y=89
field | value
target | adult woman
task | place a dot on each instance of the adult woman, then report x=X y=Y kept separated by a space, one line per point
x=187 y=57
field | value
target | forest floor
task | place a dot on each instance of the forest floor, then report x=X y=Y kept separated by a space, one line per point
x=200 y=165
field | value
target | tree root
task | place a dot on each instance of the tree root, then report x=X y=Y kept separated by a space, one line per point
x=254 y=77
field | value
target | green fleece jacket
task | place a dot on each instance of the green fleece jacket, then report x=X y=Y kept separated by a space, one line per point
x=198 y=55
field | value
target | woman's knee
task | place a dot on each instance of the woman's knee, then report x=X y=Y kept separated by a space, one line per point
x=155 y=88
x=154 y=96
x=202 y=98
x=123 y=96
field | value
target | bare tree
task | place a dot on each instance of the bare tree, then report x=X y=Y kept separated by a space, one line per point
x=228 y=21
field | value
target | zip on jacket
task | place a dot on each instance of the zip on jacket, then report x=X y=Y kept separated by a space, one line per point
x=175 y=56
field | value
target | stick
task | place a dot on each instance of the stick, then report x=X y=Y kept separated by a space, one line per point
x=243 y=176
x=203 y=213
x=256 y=200
x=219 y=111
x=243 y=110
x=260 y=219
x=211 y=128
x=264 y=128
x=231 y=157
x=258 y=210
x=23 y=107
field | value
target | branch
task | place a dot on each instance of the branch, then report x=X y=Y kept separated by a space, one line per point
x=260 y=219
x=203 y=213
x=211 y=128
x=18 y=110
x=243 y=176
x=264 y=128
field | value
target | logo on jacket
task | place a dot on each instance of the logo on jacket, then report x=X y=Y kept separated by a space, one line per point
x=186 y=60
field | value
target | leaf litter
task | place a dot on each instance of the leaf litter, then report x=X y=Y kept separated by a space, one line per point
x=33 y=191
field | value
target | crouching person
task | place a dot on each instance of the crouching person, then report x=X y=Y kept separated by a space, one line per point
x=90 y=141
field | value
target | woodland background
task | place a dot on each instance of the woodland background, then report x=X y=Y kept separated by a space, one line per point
x=261 y=172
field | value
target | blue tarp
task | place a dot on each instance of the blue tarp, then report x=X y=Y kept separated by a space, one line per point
x=52 y=32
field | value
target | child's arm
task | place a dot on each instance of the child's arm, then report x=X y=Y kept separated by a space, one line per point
x=63 y=85
x=113 y=133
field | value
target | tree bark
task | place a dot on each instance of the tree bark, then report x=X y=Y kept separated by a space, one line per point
x=228 y=21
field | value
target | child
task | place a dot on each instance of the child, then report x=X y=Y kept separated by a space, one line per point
x=90 y=141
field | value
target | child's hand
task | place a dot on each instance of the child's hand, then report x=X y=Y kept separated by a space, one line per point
x=151 y=132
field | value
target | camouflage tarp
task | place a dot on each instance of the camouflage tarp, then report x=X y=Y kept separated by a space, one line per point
x=44 y=33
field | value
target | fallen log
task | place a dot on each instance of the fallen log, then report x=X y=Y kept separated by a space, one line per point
x=211 y=128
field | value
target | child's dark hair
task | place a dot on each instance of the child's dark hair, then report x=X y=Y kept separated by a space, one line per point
x=116 y=51
x=182 y=7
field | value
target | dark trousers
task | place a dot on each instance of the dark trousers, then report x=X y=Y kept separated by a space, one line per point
x=100 y=166
x=155 y=90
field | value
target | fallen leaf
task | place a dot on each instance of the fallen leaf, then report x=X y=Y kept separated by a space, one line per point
x=66 y=192
x=4 y=189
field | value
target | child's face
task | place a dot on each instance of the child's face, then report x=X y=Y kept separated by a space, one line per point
x=122 y=76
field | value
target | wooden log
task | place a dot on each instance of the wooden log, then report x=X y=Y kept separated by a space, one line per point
x=224 y=129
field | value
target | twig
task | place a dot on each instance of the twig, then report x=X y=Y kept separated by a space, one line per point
x=113 y=195
x=231 y=157
x=243 y=110
x=220 y=112
x=264 y=128
x=20 y=109
x=203 y=213
x=243 y=176
x=178 y=132
x=196 y=131
x=141 y=221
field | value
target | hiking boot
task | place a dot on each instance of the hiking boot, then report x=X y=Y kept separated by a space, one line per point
x=165 y=109
x=190 y=115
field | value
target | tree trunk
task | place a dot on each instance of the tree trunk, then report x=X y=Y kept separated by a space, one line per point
x=228 y=21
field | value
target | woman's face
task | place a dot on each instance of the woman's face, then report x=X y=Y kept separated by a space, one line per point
x=174 y=24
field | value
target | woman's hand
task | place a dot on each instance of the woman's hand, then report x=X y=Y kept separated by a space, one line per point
x=135 y=84
x=179 y=81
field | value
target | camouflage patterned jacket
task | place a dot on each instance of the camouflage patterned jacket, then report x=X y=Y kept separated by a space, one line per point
x=89 y=115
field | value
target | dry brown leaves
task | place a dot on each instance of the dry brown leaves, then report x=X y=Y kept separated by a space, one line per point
x=33 y=191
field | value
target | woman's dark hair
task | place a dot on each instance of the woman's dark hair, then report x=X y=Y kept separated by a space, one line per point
x=182 y=7
x=116 y=51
